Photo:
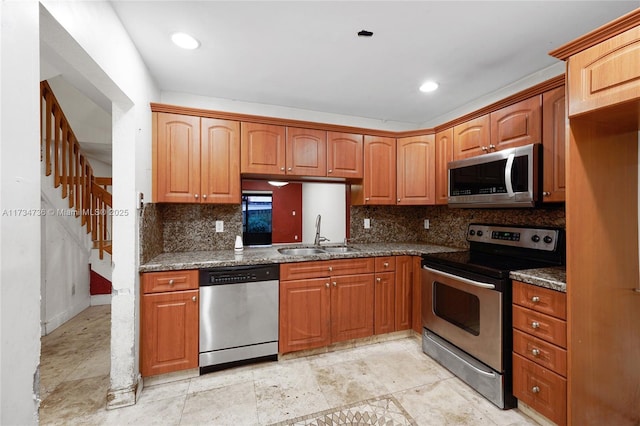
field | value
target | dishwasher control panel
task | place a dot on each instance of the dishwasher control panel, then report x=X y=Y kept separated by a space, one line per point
x=239 y=274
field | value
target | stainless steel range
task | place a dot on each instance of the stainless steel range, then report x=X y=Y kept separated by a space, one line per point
x=466 y=302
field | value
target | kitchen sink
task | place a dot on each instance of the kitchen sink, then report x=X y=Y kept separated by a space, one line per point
x=303 y=251
x=340 y=249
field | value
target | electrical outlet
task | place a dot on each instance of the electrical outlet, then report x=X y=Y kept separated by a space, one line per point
x=426 y=224
x=219 y=226
x=367 y=223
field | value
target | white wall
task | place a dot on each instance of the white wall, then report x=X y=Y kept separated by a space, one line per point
x=66 y=248
x=20 y=192
x=329 y=201
x=90 y=37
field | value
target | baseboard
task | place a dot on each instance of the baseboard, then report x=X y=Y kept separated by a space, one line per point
x=48 y=326
x=100 y=299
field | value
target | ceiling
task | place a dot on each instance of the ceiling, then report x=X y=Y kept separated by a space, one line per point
x=307 y=55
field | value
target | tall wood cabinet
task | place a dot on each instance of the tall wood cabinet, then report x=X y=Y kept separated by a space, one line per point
x=603 y=284
x=195 y=160
x=416 y=163
x=169 y=323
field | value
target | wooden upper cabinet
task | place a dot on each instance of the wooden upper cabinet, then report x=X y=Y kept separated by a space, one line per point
x=416 y=165
x=344 y=155
x=444 y=154
x=516 y=125
x=379 y=182
x=176 y=158
x=605 y=75
x=554 y=132
x=220 y=160
x=263 y=149
x=306 y=152
x=471 y=138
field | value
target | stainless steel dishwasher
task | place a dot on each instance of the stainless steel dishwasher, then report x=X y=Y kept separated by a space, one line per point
x=238 y=315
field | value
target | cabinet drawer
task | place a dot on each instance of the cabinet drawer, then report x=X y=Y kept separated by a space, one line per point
x=326 y=268
x=540 y=352
x=159 y=282
x=541 y=389
x=540 y=325
x=540 y=299
x=385 y=264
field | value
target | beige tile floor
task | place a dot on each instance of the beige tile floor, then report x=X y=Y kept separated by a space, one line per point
x=75 y=379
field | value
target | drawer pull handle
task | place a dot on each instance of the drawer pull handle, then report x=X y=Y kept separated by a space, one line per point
x=535 y=352
x=535 y=389
x=171 y=282
x=535 y=299
x=535 y=325
x=330 y=268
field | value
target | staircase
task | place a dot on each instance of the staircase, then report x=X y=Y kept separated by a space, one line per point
x=88 y=196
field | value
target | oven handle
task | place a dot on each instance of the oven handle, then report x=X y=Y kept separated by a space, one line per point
x=507 y=175
x=464 y=280
x=490 y=374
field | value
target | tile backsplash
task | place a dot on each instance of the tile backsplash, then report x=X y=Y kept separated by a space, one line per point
x=192 y=227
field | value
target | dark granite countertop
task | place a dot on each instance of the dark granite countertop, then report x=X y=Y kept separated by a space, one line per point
x=266 y=255
x=554 y=278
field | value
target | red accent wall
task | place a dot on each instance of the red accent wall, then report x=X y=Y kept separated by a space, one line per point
x=286 y=200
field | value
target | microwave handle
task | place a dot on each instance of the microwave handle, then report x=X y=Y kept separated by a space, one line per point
x=507 y=175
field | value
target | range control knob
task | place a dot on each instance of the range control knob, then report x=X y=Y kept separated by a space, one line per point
x=472 y=232
x=479 y=233
x=547 y=239
x=535 y=238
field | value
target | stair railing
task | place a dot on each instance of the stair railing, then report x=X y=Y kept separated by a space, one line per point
x=88 y=196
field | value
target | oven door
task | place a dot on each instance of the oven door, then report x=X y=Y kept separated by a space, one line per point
x=465 y=312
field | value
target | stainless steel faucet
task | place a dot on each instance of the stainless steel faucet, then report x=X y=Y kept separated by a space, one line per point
x=319 y=239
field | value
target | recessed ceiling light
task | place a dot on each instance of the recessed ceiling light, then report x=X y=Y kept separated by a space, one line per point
x=185 y=41
x=429 y=86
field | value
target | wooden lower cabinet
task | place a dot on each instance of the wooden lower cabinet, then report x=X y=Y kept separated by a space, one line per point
x=169 y=325
x=351 y=307
x=539 y=350
x=385 y=302
x=305 y=314
x=404 y=277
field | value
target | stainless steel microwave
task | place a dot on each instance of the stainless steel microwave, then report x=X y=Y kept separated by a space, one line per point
x=506 y=178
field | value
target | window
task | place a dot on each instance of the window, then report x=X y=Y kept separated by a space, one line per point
x=257 y=208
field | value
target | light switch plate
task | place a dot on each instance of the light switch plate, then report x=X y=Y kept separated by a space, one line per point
x=367 y=223
x=426 y=224
x=219 y=226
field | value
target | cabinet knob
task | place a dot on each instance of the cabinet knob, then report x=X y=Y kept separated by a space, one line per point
x=535 y=352
x=535 y=389
x=171 y=282
x=204 y=196
x=546 y=194
x=330 y=171
x=485 y=149
x=398 y=200
x=326 y=285
x=335 y=284
x=194 y=298
x=289 y=169
x=535 y=324
x=385 y=264
x=366 y=199
x=535 y=299
x=378 y=279
x=330 y=268
x=282 y=169
x=492 y=147
x=196 y=195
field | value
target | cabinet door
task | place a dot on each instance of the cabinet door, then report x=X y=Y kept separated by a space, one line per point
x=379 y=182
x=220 y=159
x=304 y=314
x=351 y=307
x=554 y=134
x=404 y=288
x=262 y=149
x=169 y=332
x=444 y=154
x=384 y=303
x=416 y=167
x=607 y=74
x=306 y=152
x=344 y=155
x=416 y=294
x=516 y=125
x=176 y=168
x=471 y=138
